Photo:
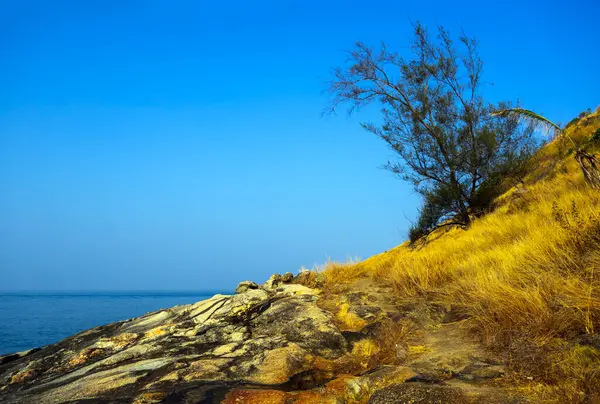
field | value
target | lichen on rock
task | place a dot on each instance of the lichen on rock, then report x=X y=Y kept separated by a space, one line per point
x=257 y=336
x=284 y=342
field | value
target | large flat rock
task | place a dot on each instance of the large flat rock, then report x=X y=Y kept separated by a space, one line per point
x=257 y=337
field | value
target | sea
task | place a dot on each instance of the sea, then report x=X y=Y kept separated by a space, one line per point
x=31 y=320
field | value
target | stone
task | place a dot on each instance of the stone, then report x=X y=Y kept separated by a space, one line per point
x=300 y=320
x=418 y=393
x=294 y=289
x=9 y=358
x=366 y=312
x=488 y=372
x=287 y=277
x=278 y=365
x=202 y=311
x=272 y=282
x=245 y=286
x=307 y=278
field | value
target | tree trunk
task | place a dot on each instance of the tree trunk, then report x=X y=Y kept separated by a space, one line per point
x=590 y=166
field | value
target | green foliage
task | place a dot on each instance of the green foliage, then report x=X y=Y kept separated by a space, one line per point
x=573 y=122
x=596 y=136
x=436 y=204
x=415 y=234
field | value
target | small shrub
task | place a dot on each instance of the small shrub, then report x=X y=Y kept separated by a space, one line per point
x=415 y=233
x=574 y=121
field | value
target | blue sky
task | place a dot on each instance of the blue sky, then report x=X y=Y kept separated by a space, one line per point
x=180 y=146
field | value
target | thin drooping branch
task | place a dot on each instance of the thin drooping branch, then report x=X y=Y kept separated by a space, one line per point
x=531 y=118
x=589 y=164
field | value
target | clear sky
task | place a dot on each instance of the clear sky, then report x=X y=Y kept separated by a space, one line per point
x=179 y=144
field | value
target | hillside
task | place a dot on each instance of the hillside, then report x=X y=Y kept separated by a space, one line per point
x=507 y=311
x=525 y=277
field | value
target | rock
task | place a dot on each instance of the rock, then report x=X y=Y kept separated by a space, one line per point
x=188 y=352
x=488 y=372
x=300 y=320
x=245 y=286
x=272 y=282
x=418 y=393
x=287 y=277
x=478 y=370
x=307 y=278
x=344 y=389
x=456 y=393
x=294 y=289
x=366 y=312
x=9 y=358
x=282 y=343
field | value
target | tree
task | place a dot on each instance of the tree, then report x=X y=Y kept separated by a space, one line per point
x=589 y=164
x=434 y=117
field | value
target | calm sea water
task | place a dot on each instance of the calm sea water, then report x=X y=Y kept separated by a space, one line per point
x=29 y=320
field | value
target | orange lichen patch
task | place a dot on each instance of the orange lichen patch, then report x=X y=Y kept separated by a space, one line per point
x=348 y=320
x=150 y=398
x=117 y=342
x=320 y=363
x=386 y=376
x=358 y=389
x=365 y=353
x=124 y=339
x=365 y=348
x=23 y=376
x=160 y=330
x=339 y=386
x=84 y=356
x=364 y=356
x=256 y=397
x=155 y=332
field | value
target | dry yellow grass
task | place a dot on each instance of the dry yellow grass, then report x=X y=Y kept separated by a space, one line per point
x=527 y=274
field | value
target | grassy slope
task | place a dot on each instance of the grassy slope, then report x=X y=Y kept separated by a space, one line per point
x=527 y=275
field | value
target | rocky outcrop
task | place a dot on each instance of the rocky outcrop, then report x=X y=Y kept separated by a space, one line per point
x=278 y=343
x=245 y=286
x=254 y=337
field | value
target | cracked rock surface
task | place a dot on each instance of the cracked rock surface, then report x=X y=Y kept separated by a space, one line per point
x=279 y=343
x=260 y=336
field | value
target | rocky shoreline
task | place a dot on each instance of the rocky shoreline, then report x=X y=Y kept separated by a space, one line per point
x=282 y=342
